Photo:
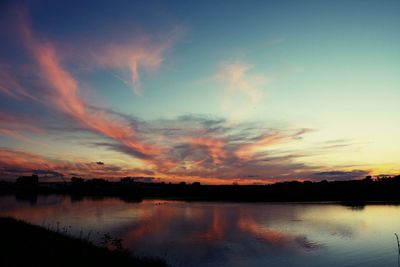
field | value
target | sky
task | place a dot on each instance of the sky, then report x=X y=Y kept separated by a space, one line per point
x=220 y=92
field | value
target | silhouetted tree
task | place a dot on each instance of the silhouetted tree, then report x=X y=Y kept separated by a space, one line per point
x=28 y=181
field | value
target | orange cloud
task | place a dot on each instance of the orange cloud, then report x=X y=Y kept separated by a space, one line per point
x=15 y=135
x=214 y=147
x=13 y=122
x=12 y=126
x=237 y=77
x=14 y=163
x=247 y=150
x=132 y=57
x=65 y=96
x=24 y=160
x=242 y=88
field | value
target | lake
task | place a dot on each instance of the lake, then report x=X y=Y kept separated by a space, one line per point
x=226 y=234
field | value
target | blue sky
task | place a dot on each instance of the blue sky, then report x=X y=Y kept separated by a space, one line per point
x=217 y=91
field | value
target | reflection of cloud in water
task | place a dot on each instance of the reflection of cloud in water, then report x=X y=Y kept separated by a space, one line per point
x=304 y=242
x=334 y=228
x=275 y=237
x=208 y=227
x=215 y=234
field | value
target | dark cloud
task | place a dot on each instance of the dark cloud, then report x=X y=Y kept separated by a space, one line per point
x=123 y=149
x=208 y=147
x=48 y=173
x=15 y=170
x=342 y=175
x=144 y=179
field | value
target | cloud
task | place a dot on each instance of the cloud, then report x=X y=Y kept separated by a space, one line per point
x=237 y=77
x=190 y=147
x=17 y=122
x=9 y=84
x=246 y=150
x=13 y=126
x=342 y=175
x=213 y=146
x=11 y=159
x=127 y=57
x=250 y=148
x=131 y=58
x=242 y=88
x=65 y=96
x=48 y=173
x=210 y=148
x=14 y=163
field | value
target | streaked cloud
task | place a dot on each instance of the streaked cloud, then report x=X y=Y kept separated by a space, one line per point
x=242 y=88
x=15 y=162
x=15 y=127
x=9 y=84
x=342 y=175
x=213 y=146
x=64 y=94
x=132 y=57
x=210 y=149
x=237 y=77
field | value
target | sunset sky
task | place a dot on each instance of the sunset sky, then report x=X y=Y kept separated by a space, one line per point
x=209 y=91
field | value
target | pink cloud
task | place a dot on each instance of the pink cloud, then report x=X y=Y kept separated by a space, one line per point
x=131 y=57
x=65 y=96
x=247 y=150
x=213 y=146
x=237 y=78
x=9 y=84
x=23 y=160
x=13 y=127
x=242 y=89
x=14 y=163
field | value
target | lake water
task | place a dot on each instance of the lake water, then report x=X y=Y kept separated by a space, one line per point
x=227 y=234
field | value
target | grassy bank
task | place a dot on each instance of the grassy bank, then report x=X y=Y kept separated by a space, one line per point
x=24 y=244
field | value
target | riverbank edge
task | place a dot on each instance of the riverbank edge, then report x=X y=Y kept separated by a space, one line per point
x=25 y=244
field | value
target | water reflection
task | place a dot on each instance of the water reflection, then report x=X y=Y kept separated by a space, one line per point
x=228 y=234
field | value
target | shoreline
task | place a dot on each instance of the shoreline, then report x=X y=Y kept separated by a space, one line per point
x=29 y=197
x=26 y=244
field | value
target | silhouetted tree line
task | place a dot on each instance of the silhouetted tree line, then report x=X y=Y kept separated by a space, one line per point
x=350 y=191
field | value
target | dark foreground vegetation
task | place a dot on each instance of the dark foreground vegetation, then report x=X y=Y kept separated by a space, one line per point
x=380 y=189
x=24 y=244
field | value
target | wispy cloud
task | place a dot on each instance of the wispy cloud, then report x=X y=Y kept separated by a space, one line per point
x=14 y=163
x=342 y=175
x=250 y=148
x=14 y=127
x=238 y=78
x=214 y=147
x=9 y=84
x=242 y=88
x=65 y=95
x=189 y=147
x=132 y=57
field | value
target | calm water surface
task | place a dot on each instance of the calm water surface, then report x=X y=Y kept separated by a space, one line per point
x=228 y=234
